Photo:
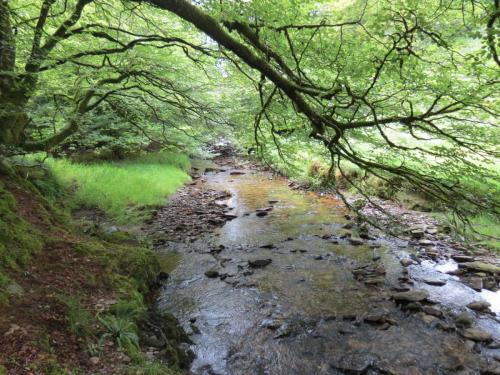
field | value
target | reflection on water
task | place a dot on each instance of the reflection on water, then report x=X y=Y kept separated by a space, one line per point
x=303 y=313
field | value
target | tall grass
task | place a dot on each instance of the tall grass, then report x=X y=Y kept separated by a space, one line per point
x=119 y=187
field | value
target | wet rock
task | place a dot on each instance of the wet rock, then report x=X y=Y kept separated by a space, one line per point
x=425 y=243
x=464 y=319
x=259 y=263
x=318 y=257
x=435 y=282
x=415 y=295
x=475 y=283
x=476 y=334
x=271 y=324
x=272 y=201
x=462 y=258
x=261 y=213
x=375 y=319
x=212 y=273
x=348 y=226
x=236 y=172
x=268 y=246
x=230 y=216
x=380 y=269
x=428 y=319
x=417 y=233
x=431 y=310
x=413 y=306
x=479 y=305
x=406 y=262
x=356 y=241
x=481 y=267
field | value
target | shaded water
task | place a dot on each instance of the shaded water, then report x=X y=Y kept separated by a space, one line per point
x=303 y=313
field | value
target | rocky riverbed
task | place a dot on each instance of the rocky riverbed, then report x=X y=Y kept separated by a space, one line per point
x=272 y=280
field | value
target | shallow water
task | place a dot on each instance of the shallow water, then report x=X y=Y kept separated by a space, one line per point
x=303 y=313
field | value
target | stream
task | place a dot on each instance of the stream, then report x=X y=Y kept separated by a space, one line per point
x=288 y=293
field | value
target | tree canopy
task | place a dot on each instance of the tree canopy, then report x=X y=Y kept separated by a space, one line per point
x=381 y=85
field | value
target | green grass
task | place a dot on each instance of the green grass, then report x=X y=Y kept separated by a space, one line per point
x=119 y=187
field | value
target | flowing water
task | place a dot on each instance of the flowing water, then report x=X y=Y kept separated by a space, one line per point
x=304 y=312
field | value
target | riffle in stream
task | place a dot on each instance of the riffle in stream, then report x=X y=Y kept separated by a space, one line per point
x=305 y=313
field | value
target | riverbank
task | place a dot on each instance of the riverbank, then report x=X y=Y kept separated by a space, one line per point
x=73 y=299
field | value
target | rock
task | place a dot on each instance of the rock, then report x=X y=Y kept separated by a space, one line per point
x=479 y=305
x=413 y=306
x=435 y=282
x=375 y=319
x=428 y=319
x=476 y=334
x=406 y=262
x=94 y=360
x=356 y=241
x=462 y=258
x=212 y=273
x=230 y=216
x=464 y=319
x=380 y=269
x=259 y=263
x=234 y=173
x=267 y=246
x=430 y=310
x=475 y=283
x=272 y=201
x=481 y=267
x=417 y=234
x=270 y=324
x=415 y=295
x=14 y=289
x=348 y=226
x=318 y=257
x=261 y=213
x=375 y=255
x=425 y=243
x=431 y=230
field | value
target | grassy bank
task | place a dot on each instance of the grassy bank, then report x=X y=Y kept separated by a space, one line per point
x=76 y=304
x=118 y=188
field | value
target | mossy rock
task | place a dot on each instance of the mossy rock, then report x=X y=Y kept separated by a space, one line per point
x=481 y=267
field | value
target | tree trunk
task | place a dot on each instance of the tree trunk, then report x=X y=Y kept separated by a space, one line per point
x=13 y=119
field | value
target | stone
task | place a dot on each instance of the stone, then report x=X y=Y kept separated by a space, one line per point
x=417 y=234
x=261 y=213
x=356 y=241
x=268 y=246
x=476 y=334
x=462 y=258
x=464 y=319
x=431 y=310
x=375 y=255
x=425 y=243
x=415 y=295
x=406 y=262
x=94 y=360
x=14 y=289
x=479 y=305
x=428 y=319
x=375 y=319
x=481 y=267
x=475 y=283
x=212 y=273
x=272 y=201
x=435 y=282
x=259 y=263
x=235 y=173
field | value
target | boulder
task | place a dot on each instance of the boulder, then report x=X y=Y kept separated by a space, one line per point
x=415 y=295
x=476 y=334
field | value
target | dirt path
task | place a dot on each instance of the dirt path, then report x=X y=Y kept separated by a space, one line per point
x=275 y=281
